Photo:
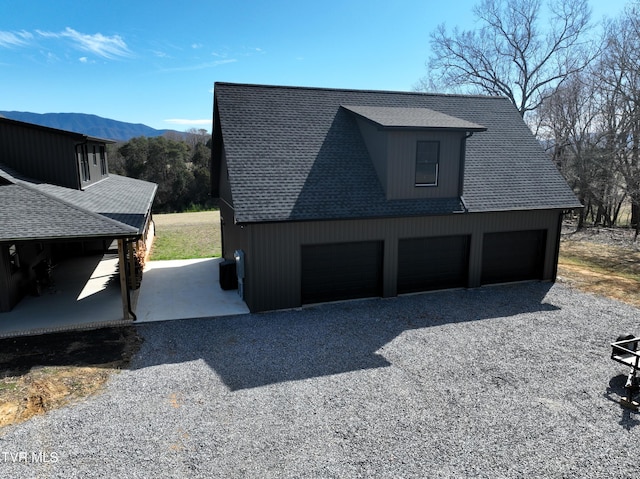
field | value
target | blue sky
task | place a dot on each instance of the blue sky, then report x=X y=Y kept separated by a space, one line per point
x=155 y=62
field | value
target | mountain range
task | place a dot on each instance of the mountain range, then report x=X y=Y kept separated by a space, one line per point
x=91 y=125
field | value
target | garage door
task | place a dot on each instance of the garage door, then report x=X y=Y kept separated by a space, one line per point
x=432 y=263
x=340 y=271
x=513 y=256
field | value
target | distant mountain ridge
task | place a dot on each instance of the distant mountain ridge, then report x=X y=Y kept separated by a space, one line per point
x=91 y=125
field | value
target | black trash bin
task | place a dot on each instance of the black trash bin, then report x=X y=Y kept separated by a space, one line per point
x=228 y=277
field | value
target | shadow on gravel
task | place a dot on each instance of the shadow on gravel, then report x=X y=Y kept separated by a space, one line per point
x=254 y=350
x=615 y=391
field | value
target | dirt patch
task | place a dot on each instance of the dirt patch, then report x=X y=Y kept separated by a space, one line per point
x=603 y=261
x=612 y=286
x=40 y=373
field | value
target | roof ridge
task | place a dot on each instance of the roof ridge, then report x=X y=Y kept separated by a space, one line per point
x=349 y=90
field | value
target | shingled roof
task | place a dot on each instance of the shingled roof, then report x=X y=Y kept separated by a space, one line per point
x=297 y=154
x=114 y=207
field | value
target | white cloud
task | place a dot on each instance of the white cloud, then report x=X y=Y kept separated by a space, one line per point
x=195 y=46
x=97 y=43
x=14 y=39
x=83 y=59
x=184 y=121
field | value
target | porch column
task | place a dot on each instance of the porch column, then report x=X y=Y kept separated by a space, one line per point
x=122 y=264
x=132 y=265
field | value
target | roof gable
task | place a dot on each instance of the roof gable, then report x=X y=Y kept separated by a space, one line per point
x=296 y=154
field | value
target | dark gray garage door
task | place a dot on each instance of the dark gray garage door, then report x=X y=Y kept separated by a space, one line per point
x=432 y=263
x=340 y=271
x=513 y=256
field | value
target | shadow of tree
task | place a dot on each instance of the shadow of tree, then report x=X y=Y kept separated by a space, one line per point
x=255 y=350
x=101 y=347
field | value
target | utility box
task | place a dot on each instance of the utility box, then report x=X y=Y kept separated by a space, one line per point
x=228 y=275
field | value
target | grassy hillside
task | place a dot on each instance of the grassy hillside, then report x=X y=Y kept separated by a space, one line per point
x=186 y=236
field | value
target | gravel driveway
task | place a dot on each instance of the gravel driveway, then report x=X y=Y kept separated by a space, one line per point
x=507 y=381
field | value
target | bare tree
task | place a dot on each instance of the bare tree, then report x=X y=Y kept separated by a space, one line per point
x=517 y=52
x=619 y=77
x=194 y=136
x=570 y=126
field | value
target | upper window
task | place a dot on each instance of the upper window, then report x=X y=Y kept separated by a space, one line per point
x=427 y=159
x=84 y=168
x=103 y=161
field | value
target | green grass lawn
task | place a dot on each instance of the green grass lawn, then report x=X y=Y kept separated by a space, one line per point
x=186 y=236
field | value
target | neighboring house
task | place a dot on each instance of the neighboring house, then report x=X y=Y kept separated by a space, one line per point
x=56 y=195
x=338 y=194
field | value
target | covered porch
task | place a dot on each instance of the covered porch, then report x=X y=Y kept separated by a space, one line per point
x=87 y=293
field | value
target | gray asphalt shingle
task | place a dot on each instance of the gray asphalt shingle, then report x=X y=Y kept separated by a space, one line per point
x=297 y=154
x=115 y=206
x=27 y=214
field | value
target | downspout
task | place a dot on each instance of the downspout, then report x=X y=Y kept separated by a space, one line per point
x=78 y=173
x=463 y=145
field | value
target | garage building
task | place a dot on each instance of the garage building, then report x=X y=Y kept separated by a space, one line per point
x=340 y=194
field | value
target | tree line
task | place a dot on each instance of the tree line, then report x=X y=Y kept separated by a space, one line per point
x=179 y=164
x=574 y=81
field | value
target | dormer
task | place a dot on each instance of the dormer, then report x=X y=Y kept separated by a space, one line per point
x=59 y=157
x=416 y=152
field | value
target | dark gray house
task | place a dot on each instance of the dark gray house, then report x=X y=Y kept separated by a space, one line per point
x=337 y=194
x=56 y=195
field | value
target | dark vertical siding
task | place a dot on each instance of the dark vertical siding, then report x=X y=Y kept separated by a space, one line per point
x=4 y=279
x=402 y=154
x=273 y=250
x=39 y=154
x=376 y=142
x=11 y=284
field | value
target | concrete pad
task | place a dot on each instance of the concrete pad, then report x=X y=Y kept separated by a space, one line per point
x=85 y=294
x=182 y=289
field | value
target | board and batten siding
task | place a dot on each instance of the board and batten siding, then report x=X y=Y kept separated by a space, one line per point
x=393 y=153
x=376 y=143
x=402 y=152
x=10 y=283
x=273 y=250
x=40 y=154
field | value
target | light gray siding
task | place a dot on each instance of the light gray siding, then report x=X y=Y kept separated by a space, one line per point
x=273 y=250
x=92 y=150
